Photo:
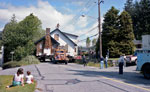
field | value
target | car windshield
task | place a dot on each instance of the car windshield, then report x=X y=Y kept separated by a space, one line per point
x=60 y=51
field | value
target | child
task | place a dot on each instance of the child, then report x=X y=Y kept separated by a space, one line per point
x=17 y=79
x=29 y=78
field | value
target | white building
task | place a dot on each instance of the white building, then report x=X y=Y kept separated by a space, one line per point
x=69 y=41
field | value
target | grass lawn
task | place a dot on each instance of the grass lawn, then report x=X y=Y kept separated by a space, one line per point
x=7 y=80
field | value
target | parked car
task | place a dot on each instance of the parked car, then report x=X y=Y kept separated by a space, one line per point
x=132 y=59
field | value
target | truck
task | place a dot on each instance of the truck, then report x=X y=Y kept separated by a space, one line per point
x=48 y=48
x=143 y=57
x=60 y=56
x=132 y=59
x=143 y=62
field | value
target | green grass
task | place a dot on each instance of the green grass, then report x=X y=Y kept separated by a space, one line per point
x=97 y=64
x=113 y=58
x=25 y=61
x=6 y=80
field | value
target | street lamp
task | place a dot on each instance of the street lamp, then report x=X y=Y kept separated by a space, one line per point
x=12 y=55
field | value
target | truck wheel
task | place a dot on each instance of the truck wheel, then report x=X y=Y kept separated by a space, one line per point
x=135 y=62
x=146 y=71
x=66 y=62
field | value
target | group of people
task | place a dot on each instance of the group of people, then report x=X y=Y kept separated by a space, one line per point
x=121 y=61
x=18 y=78
x=101 y=61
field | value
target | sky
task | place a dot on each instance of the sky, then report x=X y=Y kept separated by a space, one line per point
x=68 y=13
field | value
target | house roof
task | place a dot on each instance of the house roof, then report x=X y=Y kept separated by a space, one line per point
x=70 y=34
x=43 y=38
x=64 y=35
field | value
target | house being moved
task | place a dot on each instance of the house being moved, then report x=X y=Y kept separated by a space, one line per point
x=52 y=40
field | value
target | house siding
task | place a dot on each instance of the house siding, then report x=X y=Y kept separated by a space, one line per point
x=63 y=41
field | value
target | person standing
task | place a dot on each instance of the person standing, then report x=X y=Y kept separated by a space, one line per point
x=106 y=59
x=102 y=62
x=83 y=60
x=121 y=63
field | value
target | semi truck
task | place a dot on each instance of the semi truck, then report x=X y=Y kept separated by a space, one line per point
x=143 y=57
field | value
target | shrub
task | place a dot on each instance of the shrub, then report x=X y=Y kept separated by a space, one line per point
x=25 y=61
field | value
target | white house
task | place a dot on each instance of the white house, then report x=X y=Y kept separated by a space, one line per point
x=69 y=41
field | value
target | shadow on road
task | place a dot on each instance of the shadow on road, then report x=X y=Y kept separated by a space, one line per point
x=127 y=77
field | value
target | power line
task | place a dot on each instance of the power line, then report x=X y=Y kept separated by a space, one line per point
x=87 y=5
x=89 y=31
x=89 y=37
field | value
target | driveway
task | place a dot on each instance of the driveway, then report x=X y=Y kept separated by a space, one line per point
x=76 y=78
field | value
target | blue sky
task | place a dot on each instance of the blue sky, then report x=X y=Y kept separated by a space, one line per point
x=65 y=12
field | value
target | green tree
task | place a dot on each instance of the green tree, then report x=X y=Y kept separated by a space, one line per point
x=140 y=14
x=110 y=30
x=8 y=38
x=93 y=42
x=125 y=34
x=20 y=37
x=144 y=20
x=129 y=7
x=88 y=41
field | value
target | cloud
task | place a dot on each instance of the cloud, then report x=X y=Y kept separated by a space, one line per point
x=49 y=17
x=82 y=22
x=44 y=11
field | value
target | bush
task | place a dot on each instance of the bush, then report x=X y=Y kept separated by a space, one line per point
x=25 y=61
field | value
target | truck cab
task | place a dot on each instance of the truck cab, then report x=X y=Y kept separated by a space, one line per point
x=60 y=56
x=143 y=62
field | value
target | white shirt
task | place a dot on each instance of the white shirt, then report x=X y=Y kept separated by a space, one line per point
x=121 y=59
x=29 y=79
x=18 y=78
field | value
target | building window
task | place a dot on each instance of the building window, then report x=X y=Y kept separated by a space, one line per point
x=41 y=46
x=75 y=49
x=56 y=37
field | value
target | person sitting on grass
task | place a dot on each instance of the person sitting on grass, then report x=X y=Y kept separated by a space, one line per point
x=18 y=79
x=29 y=78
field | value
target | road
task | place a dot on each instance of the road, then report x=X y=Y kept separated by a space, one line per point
x=76 y=78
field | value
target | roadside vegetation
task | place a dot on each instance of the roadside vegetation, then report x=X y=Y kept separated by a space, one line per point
x=6 y=80
x=110 y=62
x=25 y=61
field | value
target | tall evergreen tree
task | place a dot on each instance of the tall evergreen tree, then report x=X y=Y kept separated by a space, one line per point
x=110 y=30
x=144 y=20
x=129 y=7
x=125 y=34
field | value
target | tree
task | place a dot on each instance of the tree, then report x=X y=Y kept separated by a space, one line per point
x=140 y=14
x=8 y=38
x=20 y=37
x=125 y=34
x=88 y=41
x=93 y=42
x=144 y=20
x=129 y=7
x=110 y=30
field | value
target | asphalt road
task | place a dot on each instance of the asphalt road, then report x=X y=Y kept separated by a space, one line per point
x=76 y=78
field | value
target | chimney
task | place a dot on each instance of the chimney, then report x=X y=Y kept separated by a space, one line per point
x=47 y=31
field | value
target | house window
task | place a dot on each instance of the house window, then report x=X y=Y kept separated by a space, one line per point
x=75 y=49
x=41 y=46
x=56 y=37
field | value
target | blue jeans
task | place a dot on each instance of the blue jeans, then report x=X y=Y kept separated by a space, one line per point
x=102 y=64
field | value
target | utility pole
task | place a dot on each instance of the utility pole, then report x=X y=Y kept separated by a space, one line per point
x=99 y=27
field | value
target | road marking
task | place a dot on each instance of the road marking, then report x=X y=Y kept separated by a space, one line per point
x=126 y=83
